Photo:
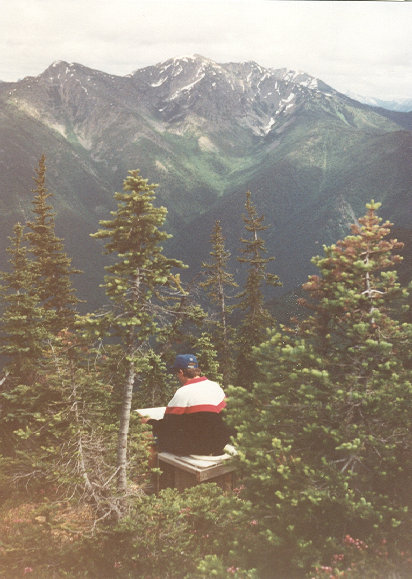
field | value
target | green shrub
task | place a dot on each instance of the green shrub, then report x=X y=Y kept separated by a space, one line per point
x=171 y=535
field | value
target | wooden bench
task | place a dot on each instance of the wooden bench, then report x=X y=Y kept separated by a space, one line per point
x=182 y=472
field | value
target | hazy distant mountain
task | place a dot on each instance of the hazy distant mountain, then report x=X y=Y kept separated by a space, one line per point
x=401 y=105
x=206 y=132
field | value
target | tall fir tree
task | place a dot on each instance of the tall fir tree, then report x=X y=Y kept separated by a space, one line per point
x=140 y=285
x=218 y=281
x=325 y=434
x=52 y=268
x=39 y=302
x=255 y=316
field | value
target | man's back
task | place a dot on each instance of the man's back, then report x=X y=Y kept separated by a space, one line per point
x=193 y=423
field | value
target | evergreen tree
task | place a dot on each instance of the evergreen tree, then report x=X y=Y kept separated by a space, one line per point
x=23 y=339
x=355 y=298
x=39 y=302
x=217 y=280
x=256 y=318
x=52 y=268
x=140 y=285
x=80 y=453
x=325 y=434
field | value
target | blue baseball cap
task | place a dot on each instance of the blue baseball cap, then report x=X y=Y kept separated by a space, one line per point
x=183 y=361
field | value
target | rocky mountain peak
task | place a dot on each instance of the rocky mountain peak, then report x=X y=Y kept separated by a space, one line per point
x=197 y=85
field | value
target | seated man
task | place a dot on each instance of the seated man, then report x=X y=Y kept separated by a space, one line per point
x=193 y=422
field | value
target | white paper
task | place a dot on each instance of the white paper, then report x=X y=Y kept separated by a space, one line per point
x=155 y=413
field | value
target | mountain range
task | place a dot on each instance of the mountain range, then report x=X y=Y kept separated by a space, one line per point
x=206 y=133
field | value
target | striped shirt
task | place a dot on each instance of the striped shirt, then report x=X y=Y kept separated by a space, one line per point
x=193 y=423
x=197 y=395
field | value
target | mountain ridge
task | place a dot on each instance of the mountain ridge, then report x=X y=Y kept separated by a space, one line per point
x=206 y=132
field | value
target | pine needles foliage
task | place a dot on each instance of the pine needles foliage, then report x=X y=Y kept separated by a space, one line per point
x=325 y=433
x=321 y=408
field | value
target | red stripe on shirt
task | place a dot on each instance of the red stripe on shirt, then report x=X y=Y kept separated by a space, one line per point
x=198 y=408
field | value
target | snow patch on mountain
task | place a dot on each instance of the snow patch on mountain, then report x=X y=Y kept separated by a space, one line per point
x=186 y=88
x=158 y=83
x=269 y=126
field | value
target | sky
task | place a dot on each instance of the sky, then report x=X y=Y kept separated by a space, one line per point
x=361 y=47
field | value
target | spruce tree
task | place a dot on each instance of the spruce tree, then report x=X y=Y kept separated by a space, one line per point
x=140 y=285
x=256 y=318
x=39 y=302
x=325 y=434
x=218 y=279
x=52 y=268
